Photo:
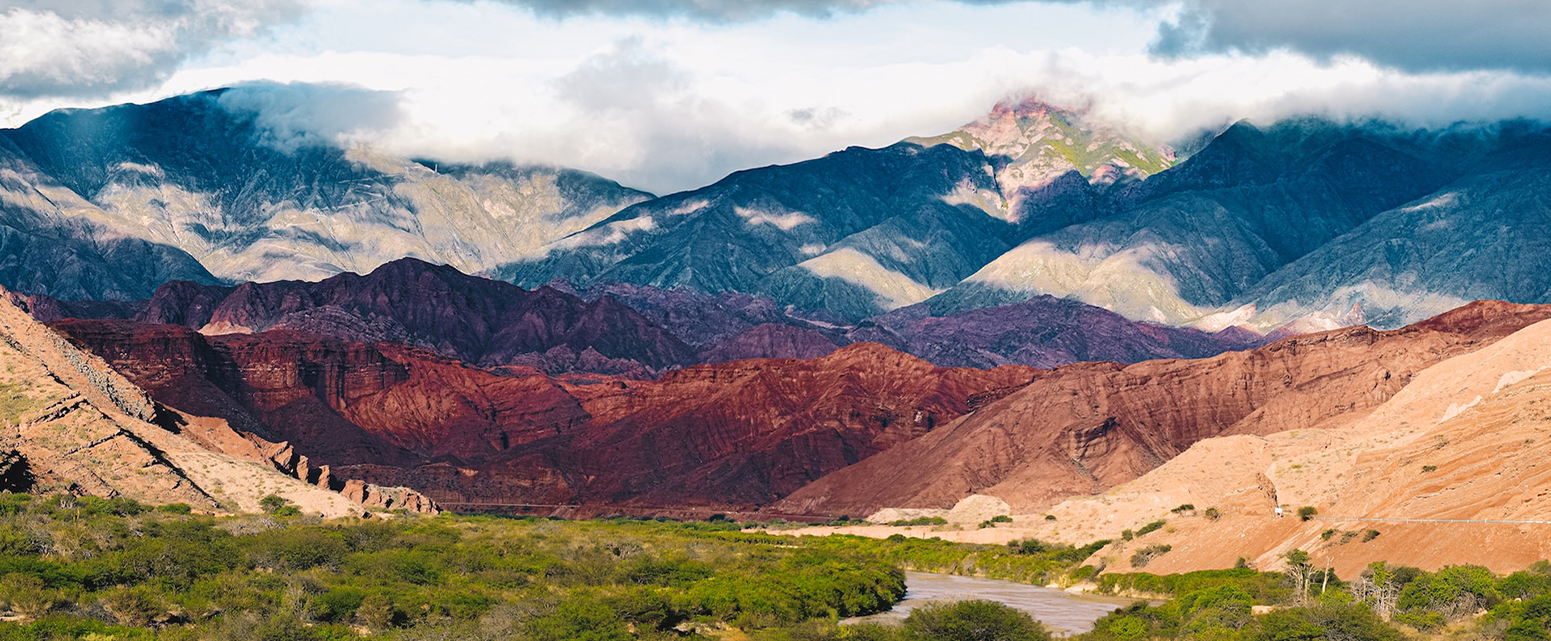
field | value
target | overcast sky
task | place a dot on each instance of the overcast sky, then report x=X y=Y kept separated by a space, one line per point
x=673 y=94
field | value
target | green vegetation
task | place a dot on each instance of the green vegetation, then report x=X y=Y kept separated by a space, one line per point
x=278 y=506
x=1000 y=518
x=1146 y=555
x=920 y=520
x=98 y=569
x=16 y=402
x=1212 y=514
x=972 y=620
x=1151 y=527
x=75 y=567
x=1307 y=512
x=1382 y=604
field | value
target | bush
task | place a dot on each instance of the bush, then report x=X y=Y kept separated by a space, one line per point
x=1307 y=512
x=1027 y=546
x=583 y=621
x=1151 y=527
x=1146 y=555
x=975 y=620
x=278 y=506
x=26 y=595
x=1050 y=517
x=1000 y=518
x=1369 y=535
x=1212 y=514
x=1188 y=507
x=1349 y=621
x=920 y=520
x=1127 y=535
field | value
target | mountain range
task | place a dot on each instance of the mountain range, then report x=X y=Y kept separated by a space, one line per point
x=1039 y=311
x=1303 y=224
x=196 y=187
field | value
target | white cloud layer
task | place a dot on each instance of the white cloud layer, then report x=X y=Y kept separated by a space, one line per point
x=88 y=48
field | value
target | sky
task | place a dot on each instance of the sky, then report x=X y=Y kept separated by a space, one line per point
x=668 y=95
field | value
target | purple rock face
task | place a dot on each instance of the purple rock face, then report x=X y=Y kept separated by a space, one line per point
x=1043 y=332
x=770 y=341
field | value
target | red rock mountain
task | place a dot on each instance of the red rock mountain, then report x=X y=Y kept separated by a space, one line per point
x=469 y=318
x=735 y=434
x=1085 y=428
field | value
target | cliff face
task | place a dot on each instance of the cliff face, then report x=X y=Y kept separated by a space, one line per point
x=740 y=433
x=70 y=423
x=1085 y=428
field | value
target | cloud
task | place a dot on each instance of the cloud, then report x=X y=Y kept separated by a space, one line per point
x=295 y=115
x=708 y=10
x=87 y=48
x=1412 y=35
x=644 y=120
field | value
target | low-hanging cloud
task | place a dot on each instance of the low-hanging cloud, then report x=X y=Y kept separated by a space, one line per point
x=1413 y=35
x=87 y=48
x=647 y=123
x=295 y=115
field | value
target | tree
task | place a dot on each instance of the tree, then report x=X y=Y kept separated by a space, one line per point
x=1299 y=571
x=278 y=506
x=976 y=620
x=1307 y=512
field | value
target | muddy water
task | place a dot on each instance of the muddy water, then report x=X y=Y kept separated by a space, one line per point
x=1061 y=612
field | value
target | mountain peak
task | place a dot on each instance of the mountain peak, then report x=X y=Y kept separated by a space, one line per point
x=1042 y=141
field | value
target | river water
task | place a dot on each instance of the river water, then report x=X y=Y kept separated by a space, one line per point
x=1061 y=612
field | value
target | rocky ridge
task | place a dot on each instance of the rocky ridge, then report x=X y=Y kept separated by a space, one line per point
x=740 y=433
x=73 y=424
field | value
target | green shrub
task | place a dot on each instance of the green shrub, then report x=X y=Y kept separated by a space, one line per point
x=1329 y=621
x=1212 y=514
x=1307 y=512
x=919 y=521
x=278 y=506
x=975 y=620
x=1369 y=535
x=1151 y=527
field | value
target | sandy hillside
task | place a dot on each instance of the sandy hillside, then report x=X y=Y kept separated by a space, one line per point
x=1468 y=439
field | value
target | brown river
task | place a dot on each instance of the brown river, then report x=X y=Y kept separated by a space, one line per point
x=1061 y=612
